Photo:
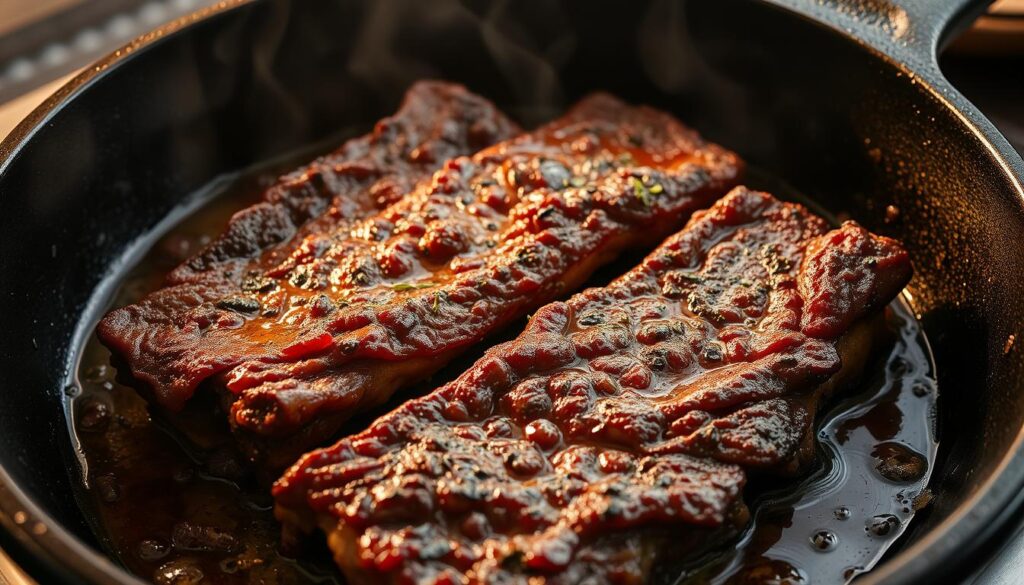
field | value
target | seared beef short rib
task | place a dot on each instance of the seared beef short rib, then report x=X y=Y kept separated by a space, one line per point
x=355 y=278
x=623 y=422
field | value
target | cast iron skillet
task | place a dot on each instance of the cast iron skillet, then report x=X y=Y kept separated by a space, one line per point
x=843 y=98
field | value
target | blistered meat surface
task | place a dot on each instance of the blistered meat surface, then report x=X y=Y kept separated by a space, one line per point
x=621 y=423
x=184 y=333
x=355 y=278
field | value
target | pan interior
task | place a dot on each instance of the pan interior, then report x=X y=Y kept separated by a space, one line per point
x=843 y=506
x=848 y=129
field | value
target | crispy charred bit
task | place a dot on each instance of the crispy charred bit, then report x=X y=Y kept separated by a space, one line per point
x=340 y=317
x=626 y=413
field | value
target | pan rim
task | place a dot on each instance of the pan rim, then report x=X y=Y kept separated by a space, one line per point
x=977 y=519
x=971 y=524
x=27 y=127
x=40 y=545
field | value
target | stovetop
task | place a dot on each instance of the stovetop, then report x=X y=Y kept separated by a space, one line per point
x=45 y=42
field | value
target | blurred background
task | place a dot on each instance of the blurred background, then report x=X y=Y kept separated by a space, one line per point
x=43 y=42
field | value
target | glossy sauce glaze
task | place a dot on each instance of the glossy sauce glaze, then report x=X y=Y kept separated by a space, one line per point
x=306 y=336
x=629 y=410
x=172 y=513
x=875 y=458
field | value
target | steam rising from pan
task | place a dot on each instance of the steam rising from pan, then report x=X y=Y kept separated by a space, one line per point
x=526 y=55
x=531 y=57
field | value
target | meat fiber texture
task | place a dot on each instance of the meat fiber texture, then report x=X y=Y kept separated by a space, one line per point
x=621 y=424
x=367 y=271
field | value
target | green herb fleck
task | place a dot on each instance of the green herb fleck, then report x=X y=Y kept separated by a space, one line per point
x=640 y=192
x=578 y=181
x=656 y=188
x=410 y=286
x=438 y=297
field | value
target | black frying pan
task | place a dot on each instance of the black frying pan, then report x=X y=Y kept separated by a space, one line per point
x=843 y=98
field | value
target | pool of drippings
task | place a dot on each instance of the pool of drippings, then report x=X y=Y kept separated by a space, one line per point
x=180 y=507
x=173 y=510
x=875 y=454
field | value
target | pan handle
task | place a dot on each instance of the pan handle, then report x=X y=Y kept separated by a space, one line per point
x=912 y=32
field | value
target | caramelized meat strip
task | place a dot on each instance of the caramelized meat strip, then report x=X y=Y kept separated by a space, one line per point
x=352 y=314
x=163 y=338
x=622 y=423
x=436 y=121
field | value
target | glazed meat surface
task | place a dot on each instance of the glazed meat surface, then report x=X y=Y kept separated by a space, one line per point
x=355 y=305
x=621 y=423
x=195 y=327
x=168 y=340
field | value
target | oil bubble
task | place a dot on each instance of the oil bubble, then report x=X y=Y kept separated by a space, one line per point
x=824 y=540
